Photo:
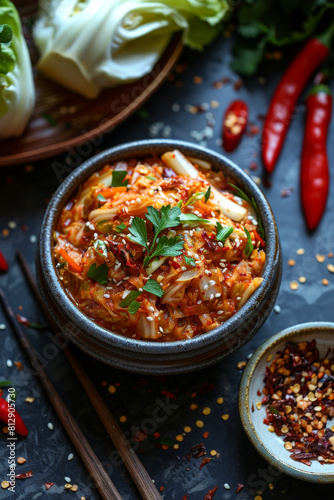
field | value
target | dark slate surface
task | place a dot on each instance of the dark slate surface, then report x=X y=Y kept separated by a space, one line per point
x=23 y=197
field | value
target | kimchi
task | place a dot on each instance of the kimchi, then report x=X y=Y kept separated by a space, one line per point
x=159 y=248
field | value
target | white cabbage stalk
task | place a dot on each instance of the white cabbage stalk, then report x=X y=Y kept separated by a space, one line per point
x=90 y=45
x=182 y=166
x=17 y=91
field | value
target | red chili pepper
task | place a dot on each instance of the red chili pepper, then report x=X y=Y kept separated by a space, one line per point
x=282 y=105
x=20 y=428
x=314 y=165
x=234 y=124
x=24 y=475
x=48 y=485
x=210 y=494
x=3 y=264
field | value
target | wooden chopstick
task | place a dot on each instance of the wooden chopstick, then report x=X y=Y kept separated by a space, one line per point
x=137 y=471
x=98 y=474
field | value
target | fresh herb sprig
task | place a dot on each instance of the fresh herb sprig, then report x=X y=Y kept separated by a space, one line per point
x=198 y=196
x=98 y=273
x=223 y=232
x=117 y=178
x=252 y=202
x=151 y=286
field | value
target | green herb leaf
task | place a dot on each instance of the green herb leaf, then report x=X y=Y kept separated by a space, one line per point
x=223 y=232
x=129 y=298
x=138 y=232
x=162 y=219
x=100 y=247
x=98 y=273
x=241 y=194
x=61 y=265
x=207 y=194
x=249 y=245
x=5 y=383
x=190 y=261
x=150 y=177
x=120 y=228
x=168 y=247
x=117 y=178
x=134 y=306
x=100 y=197
x=153 y=286
x=192 y=219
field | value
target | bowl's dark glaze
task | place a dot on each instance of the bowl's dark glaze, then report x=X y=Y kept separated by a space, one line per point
x=146 y=356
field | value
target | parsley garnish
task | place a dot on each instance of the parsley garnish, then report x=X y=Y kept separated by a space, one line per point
x=166 y=247
x=117 y=178
x=100 y=248
x=190 y=261
x=249 y=245
x=223 y=232
x=120 y=228
x=98 y=273
x=100 y=197
x=253 y=204
x=138 y=232
x=165 y=218
x=153 y=286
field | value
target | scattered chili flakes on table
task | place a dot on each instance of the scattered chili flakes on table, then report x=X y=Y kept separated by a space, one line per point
x=210 y=494
x=239 y=487
x=48 y=485
x=300 y=399
x=24 y=475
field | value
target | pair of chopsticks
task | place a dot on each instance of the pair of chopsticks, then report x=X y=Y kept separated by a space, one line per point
x=103 y=483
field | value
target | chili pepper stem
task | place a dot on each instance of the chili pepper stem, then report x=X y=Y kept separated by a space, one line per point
x=326 y=37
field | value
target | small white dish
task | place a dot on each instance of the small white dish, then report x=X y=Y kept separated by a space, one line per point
x=268 y=444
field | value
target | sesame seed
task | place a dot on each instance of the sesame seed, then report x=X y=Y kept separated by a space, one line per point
x=227 y=486
x=183 y=268
x=217 y=295
x=199 y=302
x=277 y=309
x=2 y=326
x=67 y=479
x=212 y=282
x=191 y=233
x=150 y=308
x=220 y=312
x=140 y=289
x=138 y=200
x=205 y=287
x=300 y=251
x=106 y=296
x=50 y=426
x=149 y=318
x=238 y=298
x=70 y=456
x=189 y=253
x=33 y=238
x=212 y=296
x=161 y=329
x=196 y=256
x=209 y=273
x=12 y=224
x=9 y=363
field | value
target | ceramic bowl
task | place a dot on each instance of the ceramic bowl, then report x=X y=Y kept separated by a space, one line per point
x=149 y=357
x=268 y=444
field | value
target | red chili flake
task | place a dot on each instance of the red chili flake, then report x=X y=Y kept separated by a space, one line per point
x=48 y=485
x=24 y=475
x=252 y=130
x=162 y=488
x=197 y=451
x=176 y=265
x=259 y=393
x=24 y=228
x=104 y=383
x=220 y=83
x=239 y=487
x=287 y=192
x=205 y=388
x=3 y=264
x=237 y=85
x=253 y=165
x=205 y=461
x=252 y=408
x=205 y=434
x=19 y=365
x=185 y=497
x=22 y=320
x=168 y=394
x=210 y=494
x=156 y=435
x=139 y=436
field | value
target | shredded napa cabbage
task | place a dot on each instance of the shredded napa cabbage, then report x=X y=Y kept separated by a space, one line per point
x=90 y=45
x=17 y=91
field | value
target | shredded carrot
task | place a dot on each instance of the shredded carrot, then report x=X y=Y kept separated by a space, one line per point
x=258 y=237
x=203 y=207
x=75 y=267
x=109 y=192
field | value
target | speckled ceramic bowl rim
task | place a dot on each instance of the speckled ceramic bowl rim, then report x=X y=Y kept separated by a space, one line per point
x=245 y=411
x=137 y=149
